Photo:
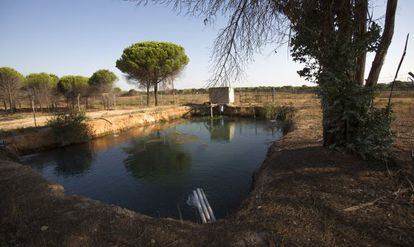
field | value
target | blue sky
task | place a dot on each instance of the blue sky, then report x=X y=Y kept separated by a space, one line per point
x=81 y=36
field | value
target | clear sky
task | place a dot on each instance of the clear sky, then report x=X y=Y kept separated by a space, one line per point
x=81 y=36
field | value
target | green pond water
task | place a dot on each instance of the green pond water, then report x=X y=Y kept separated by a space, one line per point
x=154 y=173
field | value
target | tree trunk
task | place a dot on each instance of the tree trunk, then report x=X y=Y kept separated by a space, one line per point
x=103 y=101
x=10 y=100
x=384 y=44
x=5 y=105
x=148 y=99
x=361 y=19
x=156 y=94
x=328 y=138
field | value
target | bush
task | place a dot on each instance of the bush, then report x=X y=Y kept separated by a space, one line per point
x=374 y=138
x=70 y=127
x=356 y=124
x=283 y=114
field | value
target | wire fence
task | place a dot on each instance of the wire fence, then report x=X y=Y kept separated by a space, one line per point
x=97 y=102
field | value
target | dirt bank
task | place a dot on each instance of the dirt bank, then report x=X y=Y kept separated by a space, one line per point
x=29 y=140
x=303 y=195
x=25 y=120
x=35 y=139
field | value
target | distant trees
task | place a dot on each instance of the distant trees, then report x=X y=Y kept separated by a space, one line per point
x=131 y=92
x=44 y=90
x=102 y=82
x=42 y=87
x=151 y=63
x=11 y=82
x=72 y=87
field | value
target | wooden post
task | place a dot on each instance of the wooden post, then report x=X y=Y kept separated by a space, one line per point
x=114 y=101
x=273 y=95
x=173 y=92
x=396 y=73
x=211 y=110
x=34 y=111
x=78 y=101
x=103 y=101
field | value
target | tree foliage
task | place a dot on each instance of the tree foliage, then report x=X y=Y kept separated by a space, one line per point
x=326 y=41
x=10 y=83
x=73 y=87
x=150 y=63
x=42 y=86
x=102 y=81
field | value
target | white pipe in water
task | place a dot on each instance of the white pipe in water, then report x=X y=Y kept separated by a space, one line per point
x=210 y=210
x=198 y=205
x=203 y=205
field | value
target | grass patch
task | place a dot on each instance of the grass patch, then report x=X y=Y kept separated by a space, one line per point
x=283 y=114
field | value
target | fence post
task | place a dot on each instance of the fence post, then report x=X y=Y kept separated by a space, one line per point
x=273 y=95
x=114 y=101
x=34 y=111
x=78 y=101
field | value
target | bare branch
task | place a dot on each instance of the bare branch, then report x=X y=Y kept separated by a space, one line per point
x=252 y=25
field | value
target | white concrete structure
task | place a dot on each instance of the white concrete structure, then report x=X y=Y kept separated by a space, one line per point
x=221 y=95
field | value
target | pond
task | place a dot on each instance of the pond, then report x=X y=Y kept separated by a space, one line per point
x=153 y=170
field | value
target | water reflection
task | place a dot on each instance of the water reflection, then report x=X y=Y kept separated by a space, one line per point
x=77 y=161
x=107 y=142
x=220 y=129
x=158 y=155
x=69 y=164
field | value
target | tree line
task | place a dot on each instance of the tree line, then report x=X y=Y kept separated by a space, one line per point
x=147 y=65
x=398 y=85
x=45 y=90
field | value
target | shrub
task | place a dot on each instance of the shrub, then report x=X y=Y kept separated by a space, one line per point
x=374 y=138
x=70 y=127
x=359 y=126
x=283 y=114
x=280 y=113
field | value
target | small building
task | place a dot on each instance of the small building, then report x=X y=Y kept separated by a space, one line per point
x=221 y=95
